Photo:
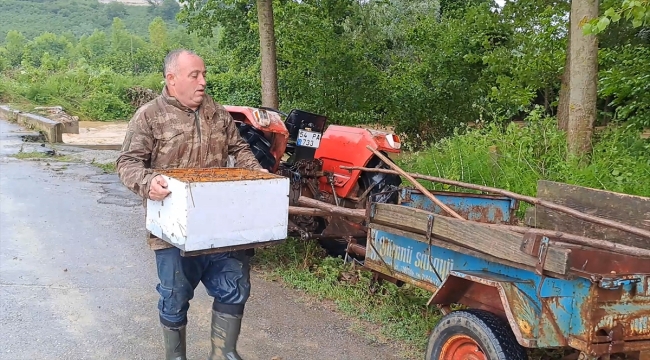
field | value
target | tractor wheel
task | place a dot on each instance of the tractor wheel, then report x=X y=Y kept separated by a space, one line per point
x=379 y=193
x=473 y=335
x=260 y=146
x=384 y=183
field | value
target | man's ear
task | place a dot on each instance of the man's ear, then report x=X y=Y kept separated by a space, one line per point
x=171 y=79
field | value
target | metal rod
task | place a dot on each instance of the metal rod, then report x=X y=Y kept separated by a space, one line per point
x=529 y=199
x=356 y=249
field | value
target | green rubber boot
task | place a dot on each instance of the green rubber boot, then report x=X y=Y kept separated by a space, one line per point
x=224 y=335
x=174 y=340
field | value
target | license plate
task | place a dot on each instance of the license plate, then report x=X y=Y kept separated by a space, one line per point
x=308 y=138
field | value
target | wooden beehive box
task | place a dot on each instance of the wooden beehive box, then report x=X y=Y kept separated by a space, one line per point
x=220 y=208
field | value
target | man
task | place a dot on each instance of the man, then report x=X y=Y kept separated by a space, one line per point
x=185 y=128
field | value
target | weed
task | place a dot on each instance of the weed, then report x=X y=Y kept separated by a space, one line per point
x=39 y=155
x=108 y=168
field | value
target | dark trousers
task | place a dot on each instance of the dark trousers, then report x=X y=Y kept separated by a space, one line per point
x=226 y=277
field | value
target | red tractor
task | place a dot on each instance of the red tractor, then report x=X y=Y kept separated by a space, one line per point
x=302 y=148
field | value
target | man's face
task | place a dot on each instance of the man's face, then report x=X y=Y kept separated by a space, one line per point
x=188 y=83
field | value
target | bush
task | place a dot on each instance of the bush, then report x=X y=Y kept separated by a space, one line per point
x=105 y=106
x=90 y=93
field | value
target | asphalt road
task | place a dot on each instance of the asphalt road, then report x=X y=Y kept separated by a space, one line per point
x=77 y=280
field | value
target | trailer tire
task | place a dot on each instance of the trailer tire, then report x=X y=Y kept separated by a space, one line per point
x=473 y=334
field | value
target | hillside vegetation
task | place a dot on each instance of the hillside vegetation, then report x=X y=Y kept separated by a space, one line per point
x=426 y=68
x=75 y=18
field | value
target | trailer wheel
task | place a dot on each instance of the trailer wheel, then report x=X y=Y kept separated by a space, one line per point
x=473 y=335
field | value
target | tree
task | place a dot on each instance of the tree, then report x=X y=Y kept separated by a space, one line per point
x=269 y=71
x=115 y=10
x=583 y=78
x=15 y=46
x=236 y=19
x=563 y=102
x=158 y=33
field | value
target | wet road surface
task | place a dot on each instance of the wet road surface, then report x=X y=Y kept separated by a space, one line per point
x=77 y=280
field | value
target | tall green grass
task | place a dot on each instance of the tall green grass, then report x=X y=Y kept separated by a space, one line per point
x=515 y=158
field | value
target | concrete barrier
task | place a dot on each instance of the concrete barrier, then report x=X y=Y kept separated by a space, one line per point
x=70 y=124
x=8 y=113
x=53 y=130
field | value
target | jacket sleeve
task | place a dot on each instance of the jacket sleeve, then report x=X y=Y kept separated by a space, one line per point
x=133 y=162
x=238 y=147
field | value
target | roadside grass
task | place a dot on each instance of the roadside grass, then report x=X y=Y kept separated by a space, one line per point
x=401 y=313
x=108 y=168
x=39 y=155
x=52 y=155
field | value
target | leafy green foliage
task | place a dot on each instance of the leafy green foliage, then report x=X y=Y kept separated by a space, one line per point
x=422 y=68
x=625 y=82
x=637 y=12
x=78 y=17
x=411 y=64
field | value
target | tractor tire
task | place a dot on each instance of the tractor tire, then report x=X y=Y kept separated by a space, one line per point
x=473 y=334
x=259 y=145
x=381 y=192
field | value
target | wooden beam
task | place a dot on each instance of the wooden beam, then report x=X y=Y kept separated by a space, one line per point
x=622 y=208
x=498 y=243
x=303 y=211
x=529 y=199
x=576 y=240
x=332 y=209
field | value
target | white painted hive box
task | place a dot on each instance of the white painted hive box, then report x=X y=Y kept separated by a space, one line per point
x=220 y=208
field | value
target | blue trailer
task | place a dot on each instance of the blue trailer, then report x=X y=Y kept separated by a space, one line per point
x=511 y=291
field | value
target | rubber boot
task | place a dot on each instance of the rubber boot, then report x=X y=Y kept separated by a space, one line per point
x=174 y=340
x=224 y=335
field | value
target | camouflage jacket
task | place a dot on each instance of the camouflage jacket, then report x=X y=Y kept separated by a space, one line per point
x=165 y=134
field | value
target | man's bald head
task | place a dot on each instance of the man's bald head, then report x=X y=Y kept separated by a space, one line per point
x=184 y=73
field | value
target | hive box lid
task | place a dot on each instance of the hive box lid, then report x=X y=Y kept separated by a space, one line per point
x=220 y=208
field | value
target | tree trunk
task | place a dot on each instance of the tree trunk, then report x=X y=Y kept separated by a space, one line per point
x=583 y=79
x=267 y=52
x=563 y=103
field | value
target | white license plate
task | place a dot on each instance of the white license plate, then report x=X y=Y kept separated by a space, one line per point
x=308 y=138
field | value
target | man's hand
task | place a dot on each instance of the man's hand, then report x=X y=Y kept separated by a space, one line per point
x=264 y=170
x=158 y=189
